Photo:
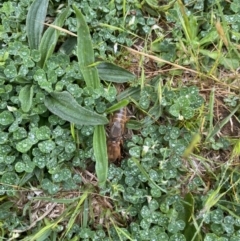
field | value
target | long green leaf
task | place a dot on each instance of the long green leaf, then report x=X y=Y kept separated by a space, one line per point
x=211 y=114
x=85 y=52
x=100 y=152
x=114 y=73
x=131 y=92
x=66 y=107
x=25 y=97
x=34 y=23
x=43 y=233
x=50 y=38
x=117 y=106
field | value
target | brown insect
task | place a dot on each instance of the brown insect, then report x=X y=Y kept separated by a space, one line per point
x=114 y=150
x=116 y=133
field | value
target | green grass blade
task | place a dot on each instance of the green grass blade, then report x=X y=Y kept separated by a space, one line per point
x=66 y=107
x=143 y=171
x=183 y=17
x=193 y=143
x=57 y=200
x=50 y=38
x=160 y=7
x=85 y=52
x=122 y=233
x=34 y=22
x=236 y=148
x=133 y=92
x=44 y=233
x=117 y=106
x=210 y=116
x=76 y=212
x=100 y=152
x=85 y=213
x=220 y=125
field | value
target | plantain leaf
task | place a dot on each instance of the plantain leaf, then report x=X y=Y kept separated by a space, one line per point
x=25 y=97
x=34 y=22
x=66 y=107
x=85 y=52
x=113 y=73
x=50 y=38
x=100 y=151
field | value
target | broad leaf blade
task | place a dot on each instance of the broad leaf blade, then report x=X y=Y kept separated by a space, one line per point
x=50 y=38
x=66 y=107
x=100 y=152
x=85 y=52
x=34 y=23
x=25 y=97
x=114 y=73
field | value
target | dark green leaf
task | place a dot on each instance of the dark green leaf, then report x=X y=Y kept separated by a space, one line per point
x=50 y=38
x=34 y=23
x=6 y=118
x=24 y=145
x=114 y=73
x=100 y=152
x=66 y=107
x=25 y=97
x=85 y=52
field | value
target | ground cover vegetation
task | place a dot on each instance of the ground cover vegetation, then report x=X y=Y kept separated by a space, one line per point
x=66 y=67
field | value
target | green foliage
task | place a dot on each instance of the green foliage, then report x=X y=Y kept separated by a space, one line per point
x=35 y=17
x=50 y=38
x=37 y=139
x=55 y=99
x=197 y=37
x=66 y=107
x=183 y=103
x=113 y=22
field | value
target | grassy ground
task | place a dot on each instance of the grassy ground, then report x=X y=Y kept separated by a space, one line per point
x=175 y=64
